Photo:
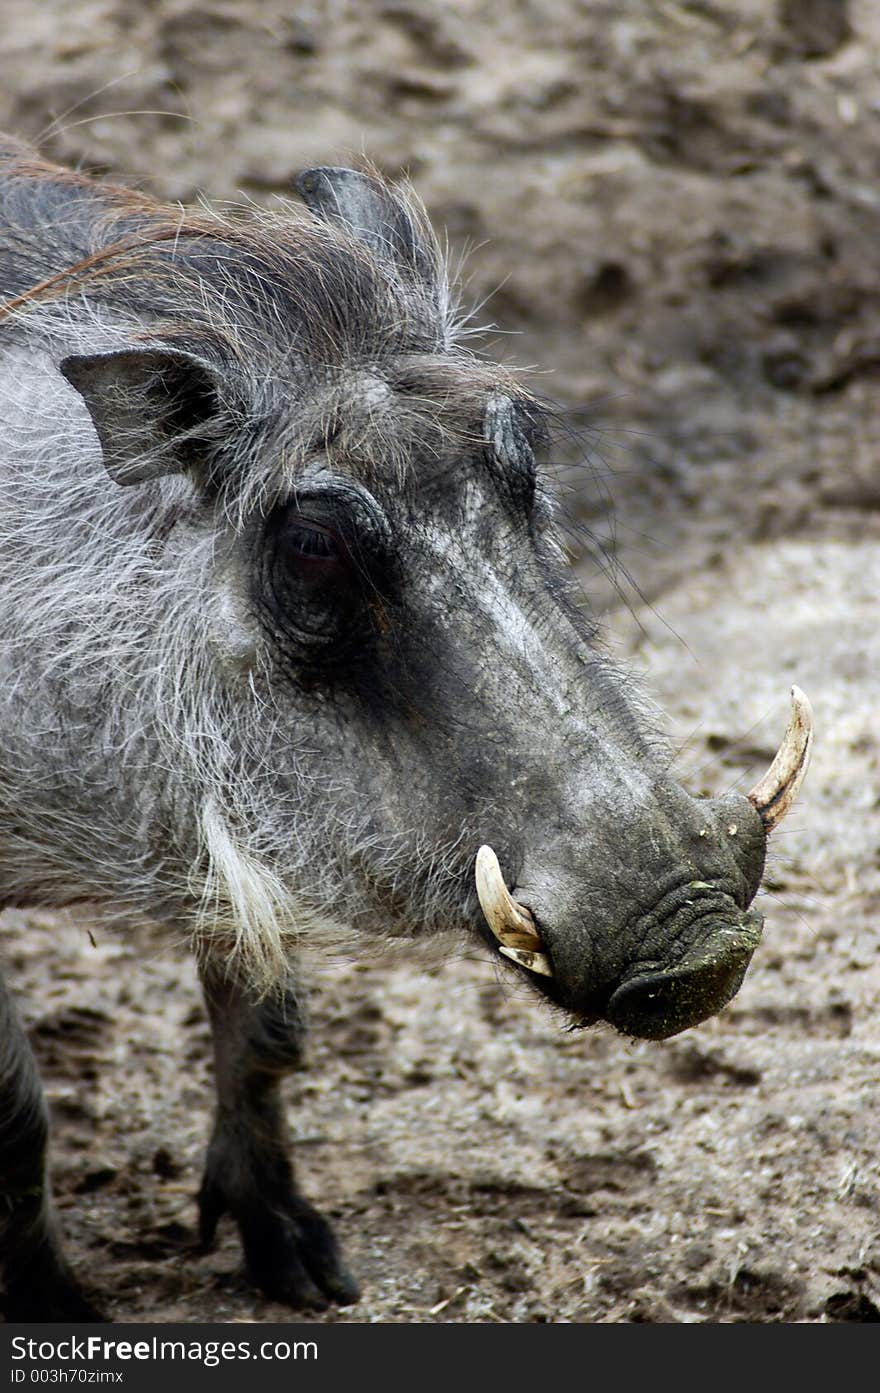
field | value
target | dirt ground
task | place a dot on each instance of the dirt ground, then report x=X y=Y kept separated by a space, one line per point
x=674 y=207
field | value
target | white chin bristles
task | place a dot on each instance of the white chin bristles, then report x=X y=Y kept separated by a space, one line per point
x=775 y=793
x=511 y=923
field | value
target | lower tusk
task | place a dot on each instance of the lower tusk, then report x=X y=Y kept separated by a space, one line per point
x=511 y=923
x=535 y=962
x=775 y=793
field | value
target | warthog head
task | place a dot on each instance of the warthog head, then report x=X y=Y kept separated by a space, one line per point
x=354 y=646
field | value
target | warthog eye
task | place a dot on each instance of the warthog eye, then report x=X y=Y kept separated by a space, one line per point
x=307 y=585
x=311 y=544
x=320 y=576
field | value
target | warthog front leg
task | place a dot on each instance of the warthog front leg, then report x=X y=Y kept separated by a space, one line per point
x=39 y=1285
x=290 y=1249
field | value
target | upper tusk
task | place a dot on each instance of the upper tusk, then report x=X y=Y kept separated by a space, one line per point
x=775 y=793
x=511 y=923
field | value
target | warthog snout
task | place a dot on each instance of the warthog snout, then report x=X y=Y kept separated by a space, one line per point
x=656 y=1004
x=610 y=945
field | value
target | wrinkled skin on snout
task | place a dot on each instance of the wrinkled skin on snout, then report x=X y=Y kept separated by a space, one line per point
x=683 y=934
x=291 y=656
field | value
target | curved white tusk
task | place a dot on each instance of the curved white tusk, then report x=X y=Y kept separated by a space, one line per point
x=775 y=793
x=511 y=923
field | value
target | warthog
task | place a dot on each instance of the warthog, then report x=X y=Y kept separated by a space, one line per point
x=290 y=653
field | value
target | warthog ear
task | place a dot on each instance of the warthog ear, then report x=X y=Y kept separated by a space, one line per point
x=375 y=213
x=151 y=407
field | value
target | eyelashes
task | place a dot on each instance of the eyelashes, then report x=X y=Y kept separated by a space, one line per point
x=317 y=579
x=311 y=546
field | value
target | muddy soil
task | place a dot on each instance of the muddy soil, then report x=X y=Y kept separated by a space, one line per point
x=673 y=208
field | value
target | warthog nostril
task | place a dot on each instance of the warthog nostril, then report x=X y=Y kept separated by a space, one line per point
x=654 y=1005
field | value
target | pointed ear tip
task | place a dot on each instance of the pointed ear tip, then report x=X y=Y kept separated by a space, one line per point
x=84 y=368
x=83 y=371
x=90 y=372
x=72 y=365
x=315 y=183
x=307 y=180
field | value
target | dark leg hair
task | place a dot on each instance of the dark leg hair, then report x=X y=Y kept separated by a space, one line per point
x=290 y=1249
x=39 y=1285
